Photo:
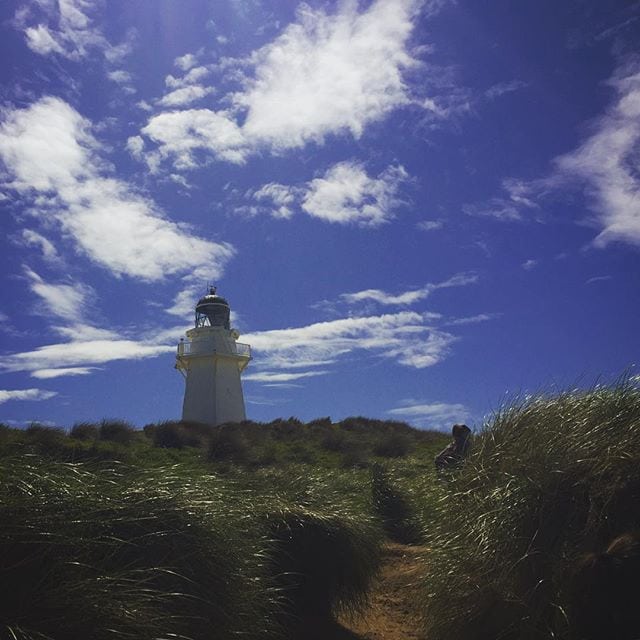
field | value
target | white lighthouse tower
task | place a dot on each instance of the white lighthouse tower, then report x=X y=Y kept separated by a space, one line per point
x=211 y=361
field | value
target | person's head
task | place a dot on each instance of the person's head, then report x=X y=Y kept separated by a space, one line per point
x=604 y=591
x=460 y=431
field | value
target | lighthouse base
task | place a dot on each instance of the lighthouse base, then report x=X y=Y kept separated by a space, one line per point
x=213 y=393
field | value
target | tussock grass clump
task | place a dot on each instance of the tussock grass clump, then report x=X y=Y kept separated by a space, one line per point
x=178 y=435
x=44 y=436
x=117 y=431
x=322 y=561
x=85 y=431
x=395 y=444
x=124 y=554
x=229 y=443
x=549 y=479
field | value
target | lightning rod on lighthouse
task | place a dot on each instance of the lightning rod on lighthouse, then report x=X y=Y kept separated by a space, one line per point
x=211 y=361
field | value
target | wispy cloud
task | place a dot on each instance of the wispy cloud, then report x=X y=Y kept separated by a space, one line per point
x=604 y=166
x=32 y=238
x=606 y=163
x=404 y=337
x=277 y=377
x=80 y=354
x=62 y=300
x=480 y=317
x=430 y=225
x=50 y=152
x=85 y=345
x=411 y=296
x=25 y=394
x=519 y=196
x=432 y=415
x=502 y=88
x=598 y=279
x=66 y=28
x=47 y=374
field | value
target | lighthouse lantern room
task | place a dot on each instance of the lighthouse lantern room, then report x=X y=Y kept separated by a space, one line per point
x=211 y=361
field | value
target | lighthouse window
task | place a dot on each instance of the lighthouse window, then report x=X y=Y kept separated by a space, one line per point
x=214 y=315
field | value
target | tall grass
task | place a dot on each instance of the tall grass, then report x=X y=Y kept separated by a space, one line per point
x=105 y=550
x=115 y=554
x=322 y=562
x=549 y=479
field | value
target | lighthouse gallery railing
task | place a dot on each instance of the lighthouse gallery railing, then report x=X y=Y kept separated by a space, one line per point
x=188 y=348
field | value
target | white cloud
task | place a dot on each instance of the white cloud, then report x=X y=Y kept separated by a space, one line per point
x=70 y=355
x=49 y=253
x=404 y=337
x=325 y=74
x=282 y=196
x=518 y=196
x=430 y=225
x=47 y=374
x=530 y=264
x=66 y=301
x=40 y=40
x=49 y=150
x=607 y=164
x=69 y=32
x=135 y=146
x=194 y=76
x=408 y=297
x=434 y=415
x=346 y=194
x=186 y=61
x=180 y=134
x=480 y=317
x=184 y=95
x=329 y=73
x=25 y=394
x=120 y=76
x=86 y=345
x=277 y=377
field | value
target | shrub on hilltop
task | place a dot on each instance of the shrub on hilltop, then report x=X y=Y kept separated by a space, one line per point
x=117 y=431
x=85 y=431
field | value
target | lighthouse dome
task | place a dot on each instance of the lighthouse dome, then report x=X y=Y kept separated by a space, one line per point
x=212 y=298
x=212 y=310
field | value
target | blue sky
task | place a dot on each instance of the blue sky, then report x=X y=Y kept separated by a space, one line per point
x=416 y=209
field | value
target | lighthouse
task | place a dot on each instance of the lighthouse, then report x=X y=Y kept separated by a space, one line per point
x=211 y=361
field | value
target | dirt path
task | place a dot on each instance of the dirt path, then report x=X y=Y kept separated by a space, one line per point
x=394 y=613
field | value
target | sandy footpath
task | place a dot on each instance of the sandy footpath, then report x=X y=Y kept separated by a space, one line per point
x=394 y=612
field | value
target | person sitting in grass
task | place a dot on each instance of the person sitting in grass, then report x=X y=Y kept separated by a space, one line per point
x=456 y=451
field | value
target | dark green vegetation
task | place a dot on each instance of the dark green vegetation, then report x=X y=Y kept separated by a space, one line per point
x=185 y=531
x=262 y=530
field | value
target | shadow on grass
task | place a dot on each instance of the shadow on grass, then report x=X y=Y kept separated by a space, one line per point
x=325 y=629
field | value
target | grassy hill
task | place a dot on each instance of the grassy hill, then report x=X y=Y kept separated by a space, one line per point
x=269 y=530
